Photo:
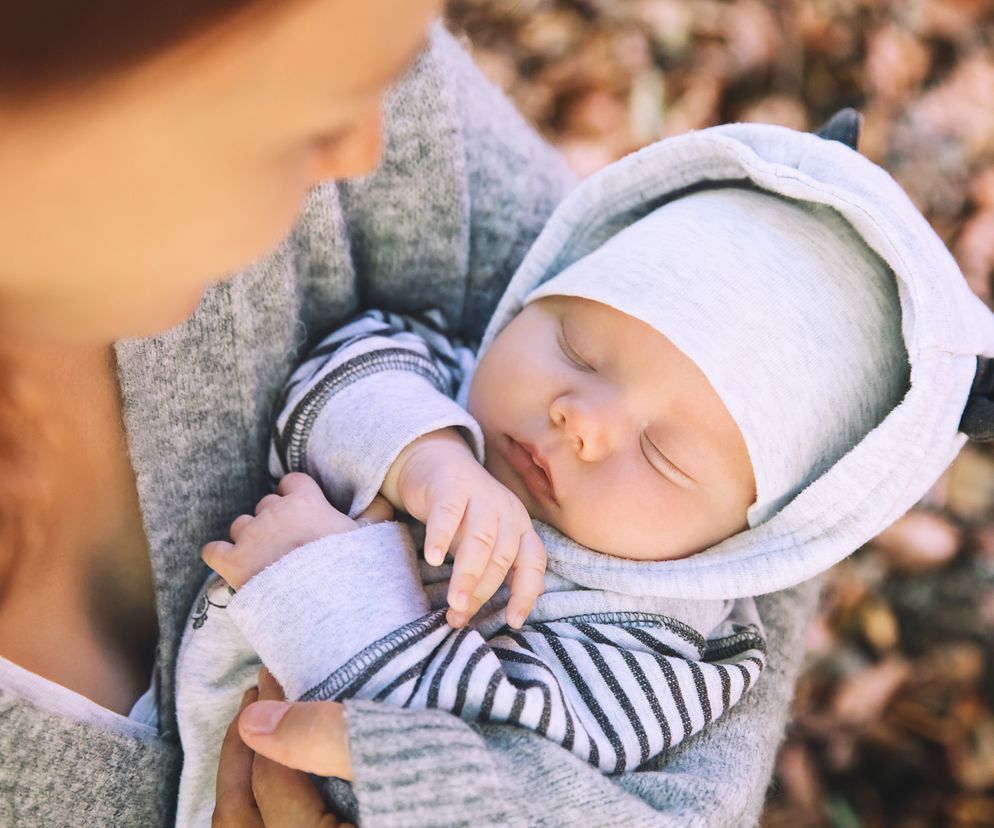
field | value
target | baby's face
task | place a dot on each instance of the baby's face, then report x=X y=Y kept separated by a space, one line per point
x=641 y=458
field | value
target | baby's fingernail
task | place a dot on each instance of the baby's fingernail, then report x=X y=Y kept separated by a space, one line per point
x=456 y=619
x=461 y=601
x=263 y=717
x=435 y=555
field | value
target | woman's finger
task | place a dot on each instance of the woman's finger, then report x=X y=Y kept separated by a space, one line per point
x=308 y=736
x=376 y=512
x=287 y=798
x=269 y=687
x=440 y=528
x=234 y=803
x=527 y=579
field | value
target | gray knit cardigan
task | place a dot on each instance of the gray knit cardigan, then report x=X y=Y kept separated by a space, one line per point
x=463 y=190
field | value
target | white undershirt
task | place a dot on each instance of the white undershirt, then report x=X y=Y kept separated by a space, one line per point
x=143 y=718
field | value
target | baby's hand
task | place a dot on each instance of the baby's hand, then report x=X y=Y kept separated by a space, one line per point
x=439 y=482
x=298 y=514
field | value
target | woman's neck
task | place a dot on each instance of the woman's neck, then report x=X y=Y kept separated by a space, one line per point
x=79 y=608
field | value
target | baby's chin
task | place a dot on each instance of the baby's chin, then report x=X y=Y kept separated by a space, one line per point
x=646 y=548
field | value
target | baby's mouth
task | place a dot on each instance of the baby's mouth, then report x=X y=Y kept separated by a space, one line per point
x=530 y=469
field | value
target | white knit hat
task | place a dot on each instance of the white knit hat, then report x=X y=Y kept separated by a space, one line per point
x=793 y=319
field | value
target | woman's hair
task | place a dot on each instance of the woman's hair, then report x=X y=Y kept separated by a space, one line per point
x=49 y=46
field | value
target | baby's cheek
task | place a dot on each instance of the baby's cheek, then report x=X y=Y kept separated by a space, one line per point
x=625 y=521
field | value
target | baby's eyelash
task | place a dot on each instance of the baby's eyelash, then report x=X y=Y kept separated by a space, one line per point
x=662 y=458
x=570 y=353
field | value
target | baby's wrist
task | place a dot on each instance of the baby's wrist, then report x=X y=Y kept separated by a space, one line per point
x=398 y=482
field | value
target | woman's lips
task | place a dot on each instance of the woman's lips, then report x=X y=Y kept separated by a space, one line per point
x=535 y=478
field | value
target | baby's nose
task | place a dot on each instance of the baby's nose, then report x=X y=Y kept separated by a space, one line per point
x=587 y=424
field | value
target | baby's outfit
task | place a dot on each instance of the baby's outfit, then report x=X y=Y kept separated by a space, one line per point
x=602 y=666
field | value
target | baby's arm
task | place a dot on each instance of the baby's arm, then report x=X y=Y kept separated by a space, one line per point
x=370 y=409
x=440 y=482
x=361 y=395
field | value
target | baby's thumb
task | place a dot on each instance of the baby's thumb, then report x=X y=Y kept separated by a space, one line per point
x=377 y=511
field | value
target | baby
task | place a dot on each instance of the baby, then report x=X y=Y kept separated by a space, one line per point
x=666 y=378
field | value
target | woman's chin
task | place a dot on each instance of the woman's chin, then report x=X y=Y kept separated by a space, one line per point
x=76 y=326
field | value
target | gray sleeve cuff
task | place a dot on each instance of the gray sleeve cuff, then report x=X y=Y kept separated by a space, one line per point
x=307 y=614
x=363 y=428
x=416 y=769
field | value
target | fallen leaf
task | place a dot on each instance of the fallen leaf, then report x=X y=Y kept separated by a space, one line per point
x=974 y=250
x=896 y=63
x=918 y=542
x=864 y=695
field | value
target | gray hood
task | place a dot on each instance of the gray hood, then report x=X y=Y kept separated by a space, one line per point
x=945 y=328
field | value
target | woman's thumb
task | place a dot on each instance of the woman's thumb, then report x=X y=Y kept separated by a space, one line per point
x=307 y=736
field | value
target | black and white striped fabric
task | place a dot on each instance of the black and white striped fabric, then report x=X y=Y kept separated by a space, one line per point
x=614 y=688
x=374 y=342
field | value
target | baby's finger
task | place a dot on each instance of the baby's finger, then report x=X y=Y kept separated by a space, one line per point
x=501 y=558
x=216 y=553
x=267 y=502
x=527 y=580
x=297 y=482
x=480 y=526
x=238 y=526
x=441 y=527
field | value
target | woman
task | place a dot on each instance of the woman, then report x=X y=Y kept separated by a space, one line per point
x=143 y=160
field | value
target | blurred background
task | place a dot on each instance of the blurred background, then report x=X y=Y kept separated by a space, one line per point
x=894 y=715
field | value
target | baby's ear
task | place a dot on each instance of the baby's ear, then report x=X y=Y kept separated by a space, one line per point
x=843 y=126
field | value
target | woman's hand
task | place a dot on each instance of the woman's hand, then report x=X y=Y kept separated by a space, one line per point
x=297 y=514
x=256 y=792
x=306 y=736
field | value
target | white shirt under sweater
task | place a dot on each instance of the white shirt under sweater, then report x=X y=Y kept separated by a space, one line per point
x=615 y=676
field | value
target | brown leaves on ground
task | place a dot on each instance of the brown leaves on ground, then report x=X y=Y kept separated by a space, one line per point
x=894 y=716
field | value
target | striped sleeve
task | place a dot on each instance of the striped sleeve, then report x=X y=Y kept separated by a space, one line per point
x=615 y=690
x=361 y=395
